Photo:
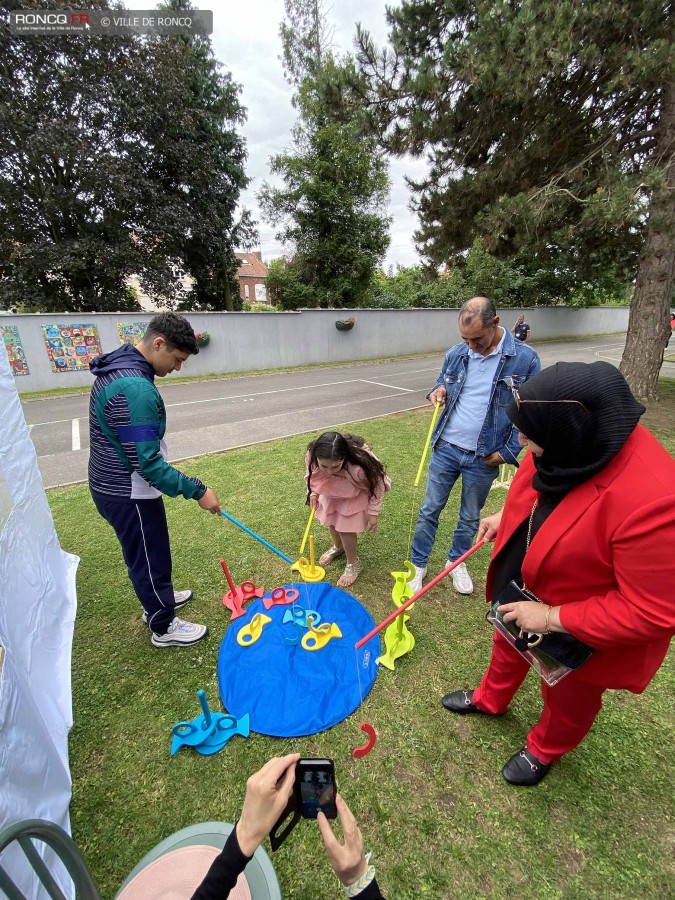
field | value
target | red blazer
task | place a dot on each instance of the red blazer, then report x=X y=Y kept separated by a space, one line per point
x=606 y=555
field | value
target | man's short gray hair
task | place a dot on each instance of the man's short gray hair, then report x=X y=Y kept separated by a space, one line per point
x=478 y=308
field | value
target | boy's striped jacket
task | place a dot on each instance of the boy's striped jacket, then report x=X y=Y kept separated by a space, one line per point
x=127 y=421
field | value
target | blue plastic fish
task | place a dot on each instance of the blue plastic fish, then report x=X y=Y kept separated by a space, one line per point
x=299 y=615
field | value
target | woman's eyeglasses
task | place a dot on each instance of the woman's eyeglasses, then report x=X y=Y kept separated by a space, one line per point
x=519 y=402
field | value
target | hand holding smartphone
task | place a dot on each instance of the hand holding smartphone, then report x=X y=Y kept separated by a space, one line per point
x=315 y=787
x=314 y=790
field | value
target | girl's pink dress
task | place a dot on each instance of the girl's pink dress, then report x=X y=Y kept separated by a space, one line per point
x=343 y=498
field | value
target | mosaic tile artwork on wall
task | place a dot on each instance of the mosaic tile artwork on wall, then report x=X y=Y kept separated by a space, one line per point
x=12 y=342
x=131 y=332
x=70 y=348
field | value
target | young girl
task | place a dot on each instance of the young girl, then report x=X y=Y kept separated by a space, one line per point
x=345 y=485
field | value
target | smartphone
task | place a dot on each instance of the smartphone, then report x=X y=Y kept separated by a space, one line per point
x=315 y=787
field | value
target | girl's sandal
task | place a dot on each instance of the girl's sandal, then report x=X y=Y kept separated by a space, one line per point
x=330 y=555
x=350 y=574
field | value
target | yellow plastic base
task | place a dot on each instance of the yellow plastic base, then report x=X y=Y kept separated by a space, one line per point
x=307 y=573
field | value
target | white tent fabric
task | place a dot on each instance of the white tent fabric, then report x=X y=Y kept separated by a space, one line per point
x=37 y=615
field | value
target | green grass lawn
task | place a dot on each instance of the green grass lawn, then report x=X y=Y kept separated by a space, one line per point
x=430 y=799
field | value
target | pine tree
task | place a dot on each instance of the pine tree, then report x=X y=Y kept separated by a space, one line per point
x=550 y=131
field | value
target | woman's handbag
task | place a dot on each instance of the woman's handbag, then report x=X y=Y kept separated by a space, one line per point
x=553 y=655
x=561 y=649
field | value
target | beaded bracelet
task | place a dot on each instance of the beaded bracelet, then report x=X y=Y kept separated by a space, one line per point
x=355 y=889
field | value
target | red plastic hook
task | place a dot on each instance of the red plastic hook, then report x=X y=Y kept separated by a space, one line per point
x=358 y=752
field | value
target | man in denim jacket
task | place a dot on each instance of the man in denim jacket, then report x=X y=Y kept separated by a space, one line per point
x=474 y=436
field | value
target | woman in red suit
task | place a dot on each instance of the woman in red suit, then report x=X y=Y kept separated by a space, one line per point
x=588 y=528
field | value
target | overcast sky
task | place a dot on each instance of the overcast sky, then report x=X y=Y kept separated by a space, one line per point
x=246 y=40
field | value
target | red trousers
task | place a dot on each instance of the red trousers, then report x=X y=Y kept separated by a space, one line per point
x=570 y=707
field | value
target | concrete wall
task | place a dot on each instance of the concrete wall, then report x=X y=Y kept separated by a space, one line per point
x=249 y=341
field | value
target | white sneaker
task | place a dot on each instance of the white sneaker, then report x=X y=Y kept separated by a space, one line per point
x=181 y=599
x=416 y=583
x=460 y=578
x=180 y=634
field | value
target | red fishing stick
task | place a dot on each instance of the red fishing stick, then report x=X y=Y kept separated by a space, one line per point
x=409 y=602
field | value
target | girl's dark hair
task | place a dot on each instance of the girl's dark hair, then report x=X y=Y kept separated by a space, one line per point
x=348 y=448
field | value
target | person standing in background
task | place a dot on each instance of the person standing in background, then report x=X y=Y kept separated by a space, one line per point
x=521 y=330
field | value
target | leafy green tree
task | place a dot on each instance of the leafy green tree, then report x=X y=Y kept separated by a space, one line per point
x=510 y=282
x=286 y=287
x=550 y=130
x=398 y=290
x=118 y=156
x=331 y=207
x=203 y=158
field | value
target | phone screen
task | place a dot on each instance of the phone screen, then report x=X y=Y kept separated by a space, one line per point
x=315 y=786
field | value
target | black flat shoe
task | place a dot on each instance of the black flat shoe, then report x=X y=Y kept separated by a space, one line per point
x=461 y=702
x=525 y=769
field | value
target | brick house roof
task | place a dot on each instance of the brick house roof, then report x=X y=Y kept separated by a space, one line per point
x=251 y=265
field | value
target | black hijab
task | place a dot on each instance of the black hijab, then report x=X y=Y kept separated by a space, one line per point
x=577 y=442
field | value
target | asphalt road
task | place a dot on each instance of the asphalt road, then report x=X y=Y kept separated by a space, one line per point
x=221 y=414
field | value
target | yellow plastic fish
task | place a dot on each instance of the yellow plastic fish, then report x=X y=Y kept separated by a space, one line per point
x=316 y=638
x=250 y=633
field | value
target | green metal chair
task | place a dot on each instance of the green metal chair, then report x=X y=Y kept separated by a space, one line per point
x=260 y=875
x=23 y=833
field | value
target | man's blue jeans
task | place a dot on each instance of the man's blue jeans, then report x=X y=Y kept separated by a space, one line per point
x=447 y=464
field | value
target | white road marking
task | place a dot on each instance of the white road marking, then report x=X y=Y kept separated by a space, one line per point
x=76 y=434
x=306 y=387
x=54 y=422
x=297 y=412
x=380 y=384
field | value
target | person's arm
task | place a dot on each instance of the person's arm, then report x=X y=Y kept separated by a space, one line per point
x=348 y=860
x=511 y=449
x=267 y=793
x=140 y=443
x=313 y=498
x=527 y=333
x=641 y=609
x=375 y=502
x=438 y=393
x=489 y=526
x=223 y=872
x=494 y=459
x=210 y=501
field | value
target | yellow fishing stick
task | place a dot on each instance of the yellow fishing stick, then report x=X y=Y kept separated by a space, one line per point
x=434 y=418
x=309 y=525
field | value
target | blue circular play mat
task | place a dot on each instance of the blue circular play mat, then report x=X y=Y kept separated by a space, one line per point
x=289 y=691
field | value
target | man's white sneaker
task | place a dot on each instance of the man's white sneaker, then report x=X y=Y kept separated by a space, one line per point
x=180 y=634
x=461 y=579
x=416 y=583
x=181 y=599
